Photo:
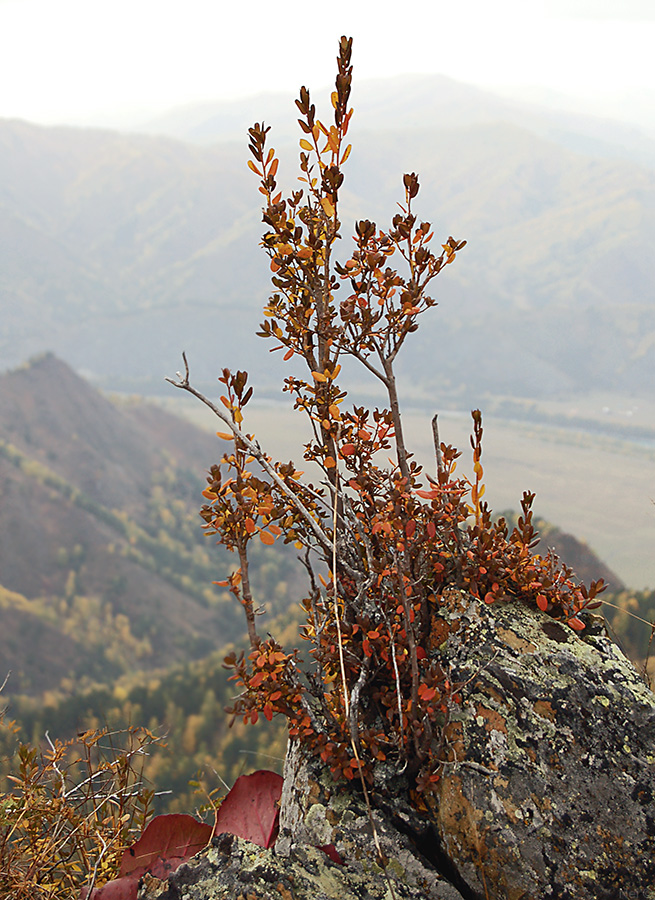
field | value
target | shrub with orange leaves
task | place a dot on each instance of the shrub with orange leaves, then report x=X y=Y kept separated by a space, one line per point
x=390 y=538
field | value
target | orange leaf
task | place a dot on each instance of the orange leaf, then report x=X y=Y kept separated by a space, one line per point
x=266 y=537
x=224 y=436
x=347 y=449
x=426 y=693
x=542 y=602
x=329 y=462
x=577 y=624
x=288 y=355
x=254 y=168
x=305 y=144
x=328 y=206
x=251 y=528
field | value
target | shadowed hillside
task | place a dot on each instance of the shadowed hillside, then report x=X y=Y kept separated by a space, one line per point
x=103 y=564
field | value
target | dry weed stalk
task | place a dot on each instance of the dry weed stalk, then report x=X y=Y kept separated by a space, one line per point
x=71 y=811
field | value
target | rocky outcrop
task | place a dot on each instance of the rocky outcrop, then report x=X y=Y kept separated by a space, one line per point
x=548 y=786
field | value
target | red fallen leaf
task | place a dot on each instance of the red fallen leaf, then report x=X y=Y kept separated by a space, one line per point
x=331 y=851
x=167 y=842
x=577 y=624
x=251 y=810
x=119 y=889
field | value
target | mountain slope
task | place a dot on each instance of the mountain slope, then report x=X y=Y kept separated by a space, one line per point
x=103 y=565
x=120 y=251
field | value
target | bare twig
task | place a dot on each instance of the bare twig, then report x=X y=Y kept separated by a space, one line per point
x=437 y=445
x=255 y=450
x=255 y=640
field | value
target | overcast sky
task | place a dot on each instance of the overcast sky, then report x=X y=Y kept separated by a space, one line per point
x=76 y=60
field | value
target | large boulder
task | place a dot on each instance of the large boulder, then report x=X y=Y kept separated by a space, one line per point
x=547 y=789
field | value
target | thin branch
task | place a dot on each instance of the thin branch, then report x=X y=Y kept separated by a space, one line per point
x=337 y=619
x=437 y=445
x=255 y=451
x=354 y=700
x=401 y=724
x=255 y=640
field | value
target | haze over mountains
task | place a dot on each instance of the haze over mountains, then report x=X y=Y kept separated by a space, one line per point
x=118 y=251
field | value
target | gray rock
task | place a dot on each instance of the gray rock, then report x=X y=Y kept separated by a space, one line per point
x=547 y=790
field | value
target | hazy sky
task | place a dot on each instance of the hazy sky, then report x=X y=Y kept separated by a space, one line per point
x=67 y=60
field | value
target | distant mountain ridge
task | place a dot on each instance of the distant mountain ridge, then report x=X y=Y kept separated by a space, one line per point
x=414 y=103
x=120 y=251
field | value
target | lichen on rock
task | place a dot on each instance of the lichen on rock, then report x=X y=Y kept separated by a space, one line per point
x=547 y=789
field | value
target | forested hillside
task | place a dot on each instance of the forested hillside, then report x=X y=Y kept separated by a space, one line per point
x=104 y=568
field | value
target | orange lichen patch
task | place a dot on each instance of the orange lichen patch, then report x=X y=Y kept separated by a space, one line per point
x=333 y=817
x=454 y=740
x=544 y=709
x=454 y=600
x=314 y=793
x=456 y=813
x=493 y=720
x=490 y=692
x=512 y=640
x=439 y=631
x=462 y=824
x=512 y=810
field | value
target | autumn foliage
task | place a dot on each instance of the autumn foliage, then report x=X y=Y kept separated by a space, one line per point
x=71 y=812
x=383 y=542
